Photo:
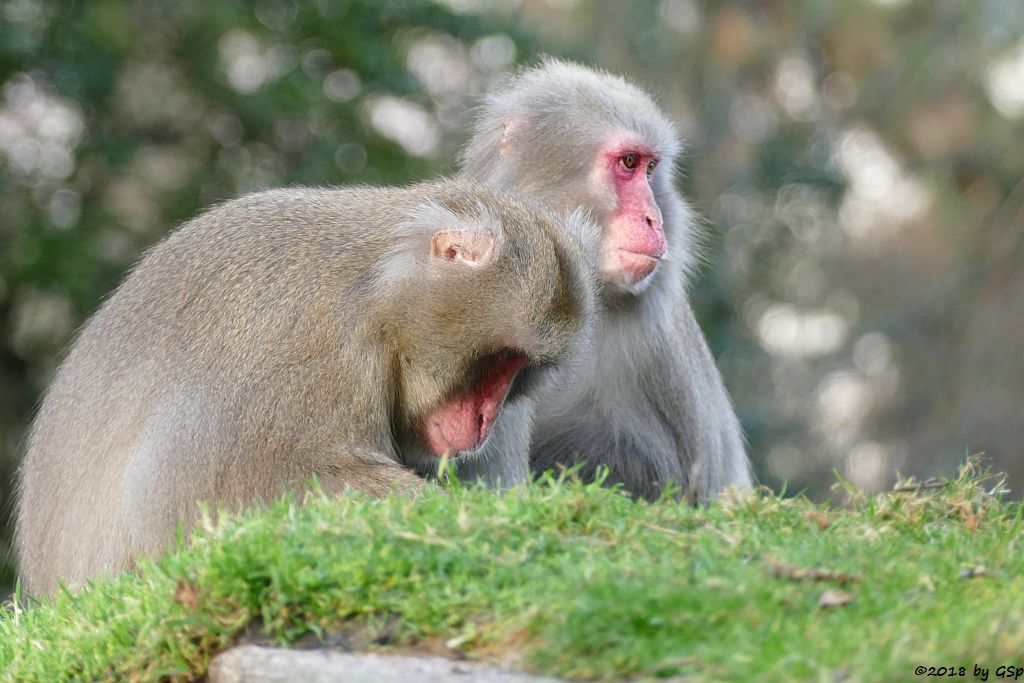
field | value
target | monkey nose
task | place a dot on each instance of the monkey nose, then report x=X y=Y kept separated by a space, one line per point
x=653 y=222
x=656 y=237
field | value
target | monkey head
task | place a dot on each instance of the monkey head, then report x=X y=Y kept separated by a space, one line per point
x=584 y=138
x=495 y=295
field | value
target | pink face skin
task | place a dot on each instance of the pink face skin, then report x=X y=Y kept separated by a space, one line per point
x=633 y=240
x=464 y=423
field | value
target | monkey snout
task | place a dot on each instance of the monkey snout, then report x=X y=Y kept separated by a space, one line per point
x=657 y=241
x=484 y=421
x=655 y=235
x=646 y=238
x=459 y=427
x=465 y=421
x=650 y=242
x=635 y=266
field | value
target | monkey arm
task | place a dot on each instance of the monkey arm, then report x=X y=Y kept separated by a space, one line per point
x=656 y=415
x=366 y=470
x=695 y=387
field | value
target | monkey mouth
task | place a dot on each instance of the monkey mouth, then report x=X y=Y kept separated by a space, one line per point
x=451 y=445
x=636 y=265
x=464 y=422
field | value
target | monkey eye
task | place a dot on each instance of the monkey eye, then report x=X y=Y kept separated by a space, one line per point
x=651 y=165
x=629 y=161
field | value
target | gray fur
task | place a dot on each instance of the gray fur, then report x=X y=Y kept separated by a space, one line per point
x=283 y=335
x=649 y=401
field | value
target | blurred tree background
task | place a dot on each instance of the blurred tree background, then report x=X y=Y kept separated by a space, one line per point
x=859 y=165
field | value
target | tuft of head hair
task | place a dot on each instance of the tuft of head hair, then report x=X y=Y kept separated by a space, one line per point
x=410 y=251
x=568 y=108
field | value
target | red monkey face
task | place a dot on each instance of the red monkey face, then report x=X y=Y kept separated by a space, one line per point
x=633 y=240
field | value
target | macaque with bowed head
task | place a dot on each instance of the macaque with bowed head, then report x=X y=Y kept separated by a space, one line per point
x=351 y=335
x=648 y=401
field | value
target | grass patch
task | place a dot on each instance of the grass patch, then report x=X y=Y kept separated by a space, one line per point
x=572 y=580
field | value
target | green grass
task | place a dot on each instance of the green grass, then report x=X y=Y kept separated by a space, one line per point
x=572 y=580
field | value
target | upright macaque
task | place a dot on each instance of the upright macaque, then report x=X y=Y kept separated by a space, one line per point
x=352 y=335
x=648 y=402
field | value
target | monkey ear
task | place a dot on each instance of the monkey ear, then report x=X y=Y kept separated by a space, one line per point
x=474 y=248
x=508 y=133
